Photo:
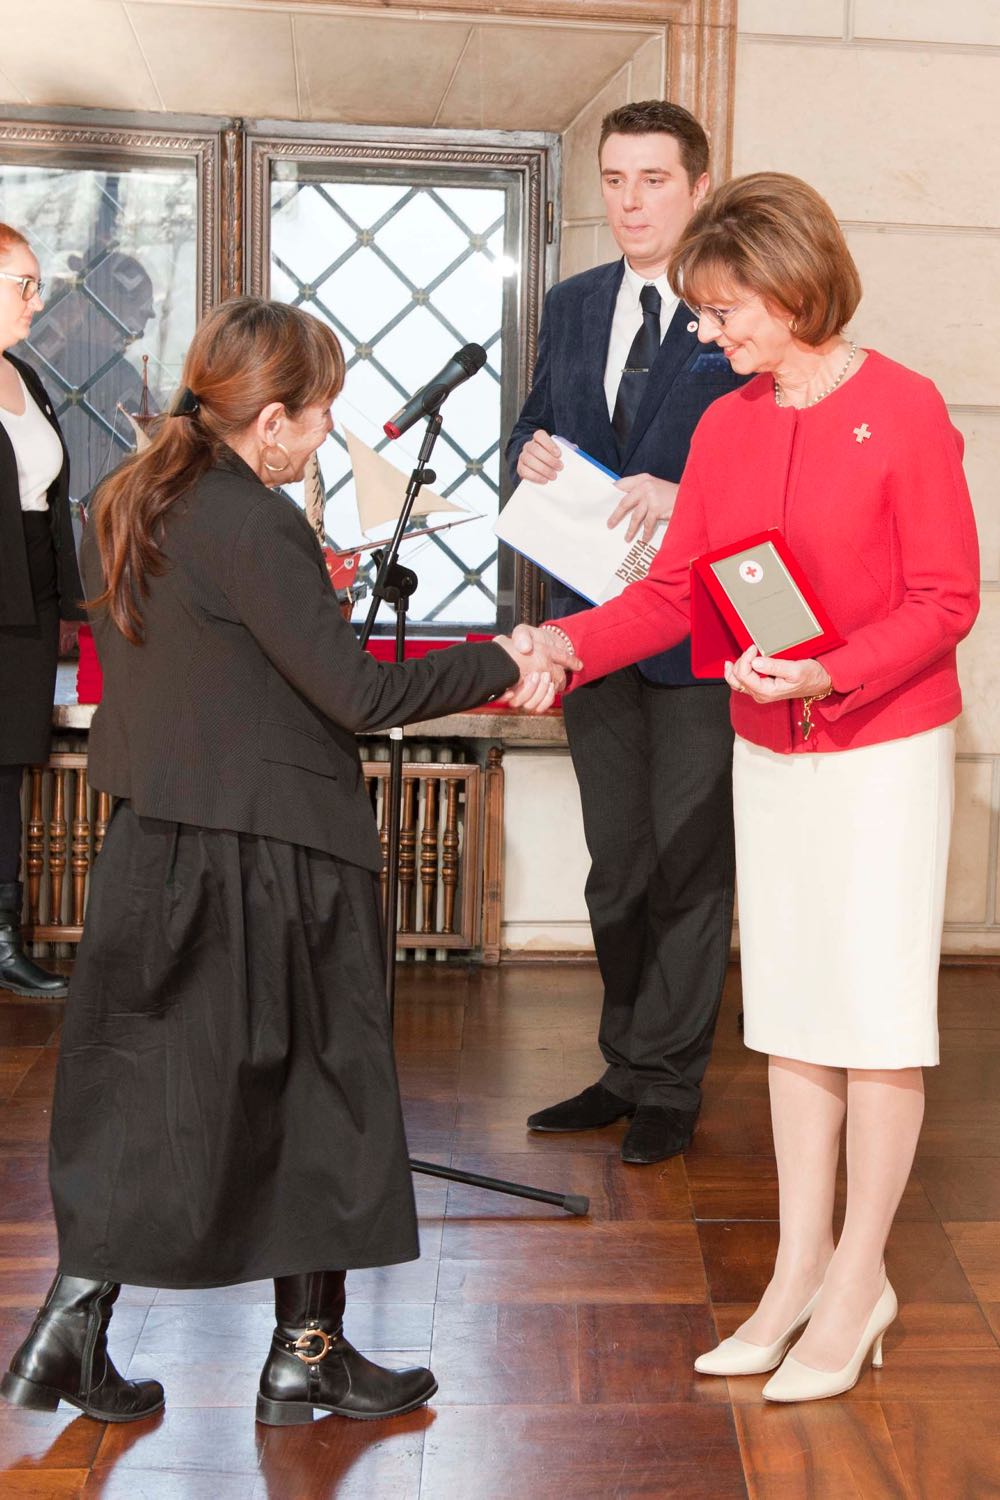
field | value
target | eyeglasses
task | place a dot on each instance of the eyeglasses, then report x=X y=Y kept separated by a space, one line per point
x=719 y=315
x=30 y=285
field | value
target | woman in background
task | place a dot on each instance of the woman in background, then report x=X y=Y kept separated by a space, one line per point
x=39 y=585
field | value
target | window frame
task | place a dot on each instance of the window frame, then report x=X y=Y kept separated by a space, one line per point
x=534 y=158
x=97 y=139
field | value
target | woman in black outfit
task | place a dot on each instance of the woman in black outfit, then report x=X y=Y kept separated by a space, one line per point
x=226 y=1105
x=39 y=584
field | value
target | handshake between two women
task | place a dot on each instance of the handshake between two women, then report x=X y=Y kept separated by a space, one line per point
x=545 y=659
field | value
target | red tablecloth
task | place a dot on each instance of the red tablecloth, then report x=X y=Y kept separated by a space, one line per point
x=89 y=681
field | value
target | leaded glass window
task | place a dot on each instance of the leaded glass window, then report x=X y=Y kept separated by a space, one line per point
x=407 y=271
x=118 y=248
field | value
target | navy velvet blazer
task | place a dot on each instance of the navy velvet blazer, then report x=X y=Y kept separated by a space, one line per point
x=567 y=397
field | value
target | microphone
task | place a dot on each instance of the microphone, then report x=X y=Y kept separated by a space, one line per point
x=461 y=367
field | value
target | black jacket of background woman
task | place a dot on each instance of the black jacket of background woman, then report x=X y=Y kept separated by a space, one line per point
x=17 y=606
x=240 y=709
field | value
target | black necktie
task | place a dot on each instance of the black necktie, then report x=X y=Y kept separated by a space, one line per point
x=645 y=347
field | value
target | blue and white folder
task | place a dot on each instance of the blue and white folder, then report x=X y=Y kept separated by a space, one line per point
x=563 y=527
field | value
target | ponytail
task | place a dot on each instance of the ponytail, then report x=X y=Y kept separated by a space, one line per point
x=246 y=354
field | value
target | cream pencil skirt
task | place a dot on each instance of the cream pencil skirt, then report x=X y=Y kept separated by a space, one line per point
x=841 y=863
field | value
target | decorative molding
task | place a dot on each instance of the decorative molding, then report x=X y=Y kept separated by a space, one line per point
x=41 y=142
x=615 y=12
x=231 y=225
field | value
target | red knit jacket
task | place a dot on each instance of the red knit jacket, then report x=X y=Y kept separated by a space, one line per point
x=881 y=524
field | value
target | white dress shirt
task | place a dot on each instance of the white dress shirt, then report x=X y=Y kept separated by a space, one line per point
x=627 y=321
x=37 y=450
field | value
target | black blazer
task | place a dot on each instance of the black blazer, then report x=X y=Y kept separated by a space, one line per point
x=567 y=397
x=240 y=709
x=17 y=607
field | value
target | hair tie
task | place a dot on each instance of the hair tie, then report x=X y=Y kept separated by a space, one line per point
x=186 y=403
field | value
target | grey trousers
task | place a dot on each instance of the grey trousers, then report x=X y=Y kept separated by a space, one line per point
x=654 y=766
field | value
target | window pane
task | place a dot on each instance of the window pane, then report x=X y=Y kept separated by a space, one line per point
x=118 y=252
x=407 y=273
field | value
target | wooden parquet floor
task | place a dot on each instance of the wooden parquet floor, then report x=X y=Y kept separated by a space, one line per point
x=563 y=1346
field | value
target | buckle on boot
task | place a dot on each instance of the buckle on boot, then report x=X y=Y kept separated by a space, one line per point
x=305 y=1339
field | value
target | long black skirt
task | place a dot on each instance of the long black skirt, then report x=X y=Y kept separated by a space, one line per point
x=29 y=655
x=226 y=1105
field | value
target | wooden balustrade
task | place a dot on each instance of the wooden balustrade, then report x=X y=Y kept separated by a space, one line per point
x=450 y=866
x=446 y=825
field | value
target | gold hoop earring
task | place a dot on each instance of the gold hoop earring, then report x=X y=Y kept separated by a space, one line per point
x=276 y=468
x=793 y=326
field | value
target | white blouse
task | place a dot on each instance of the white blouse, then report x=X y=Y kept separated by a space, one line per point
x=37 y=450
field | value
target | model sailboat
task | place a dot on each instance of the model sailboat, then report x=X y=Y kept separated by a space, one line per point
x=380 y=489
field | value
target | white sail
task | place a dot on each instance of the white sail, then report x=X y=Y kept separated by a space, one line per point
x=142 y=439
x=381 y=488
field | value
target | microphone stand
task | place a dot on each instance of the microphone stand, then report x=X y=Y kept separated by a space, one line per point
x=396 y=584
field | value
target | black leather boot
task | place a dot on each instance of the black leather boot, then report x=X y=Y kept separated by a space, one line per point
x=17 y=971
x=312 y=1367
x=65 y=1358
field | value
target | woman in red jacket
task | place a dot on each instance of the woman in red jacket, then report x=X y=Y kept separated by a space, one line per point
x=843 y=771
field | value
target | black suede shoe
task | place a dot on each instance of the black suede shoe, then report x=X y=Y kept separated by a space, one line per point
x=594 y=1108
x=658 y=1132
x=312 y=1367
x=65 y=1358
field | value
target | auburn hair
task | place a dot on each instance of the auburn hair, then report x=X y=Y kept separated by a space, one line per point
x=774 y=235
x=247 y=353
x=9 y=237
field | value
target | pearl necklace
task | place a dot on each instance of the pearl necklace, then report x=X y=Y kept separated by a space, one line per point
x=779 y=396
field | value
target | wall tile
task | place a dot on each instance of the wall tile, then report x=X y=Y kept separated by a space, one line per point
x=105 y=69
x=531 y=77
x=577 y=249
x=981 y=430
x=791 y=17
x=546 y=856
x=581 y=179
x=963 y=21
x=219 y=61
x=978 y=654
x=968 y=867
x=9 y=92
x=909 y=313
x=900 y=153
x=351 y=73
x=648 y=71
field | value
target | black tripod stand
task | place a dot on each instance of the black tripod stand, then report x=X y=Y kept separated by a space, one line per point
x=396 y=584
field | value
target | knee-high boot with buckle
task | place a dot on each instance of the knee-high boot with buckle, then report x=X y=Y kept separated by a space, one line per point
x=17 y=971
x=65 y=1358
x=312 y=1367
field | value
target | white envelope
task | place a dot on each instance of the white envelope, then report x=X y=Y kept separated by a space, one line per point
x=563 y=527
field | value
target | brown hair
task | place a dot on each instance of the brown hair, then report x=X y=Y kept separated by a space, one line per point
x=775 y=235
x=660 y=117
x=9 y=237
x=247 y=353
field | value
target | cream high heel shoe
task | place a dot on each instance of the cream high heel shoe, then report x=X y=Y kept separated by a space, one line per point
x=739 y=1357
x=799 y=1382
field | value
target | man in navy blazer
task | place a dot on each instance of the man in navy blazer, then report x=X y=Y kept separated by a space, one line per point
x=620 y=372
